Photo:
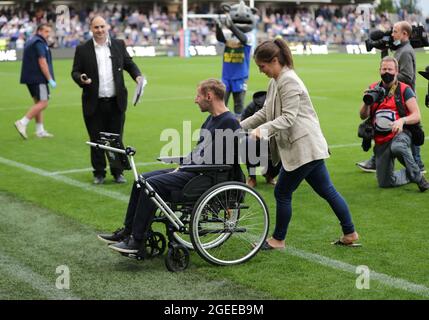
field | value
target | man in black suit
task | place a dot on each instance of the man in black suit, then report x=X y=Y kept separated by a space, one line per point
x=98 y=69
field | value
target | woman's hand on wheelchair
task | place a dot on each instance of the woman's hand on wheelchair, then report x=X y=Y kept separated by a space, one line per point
x=255 y=134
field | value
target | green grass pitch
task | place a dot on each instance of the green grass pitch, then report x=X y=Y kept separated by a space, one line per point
x=50 y=213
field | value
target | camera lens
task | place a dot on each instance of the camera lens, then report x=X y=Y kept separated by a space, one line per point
x=370 y=98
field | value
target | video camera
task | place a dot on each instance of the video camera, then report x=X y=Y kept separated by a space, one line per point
x=116 y=160
x=366 y=130
x=384 y=40
x=374 y=95
x=425 y=74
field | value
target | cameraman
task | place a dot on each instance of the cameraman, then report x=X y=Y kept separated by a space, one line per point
x=404 y=53
x=406 y=57
x=391 y=141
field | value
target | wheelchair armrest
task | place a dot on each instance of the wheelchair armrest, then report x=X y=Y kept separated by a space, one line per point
x=206 y=168
x=177 y=160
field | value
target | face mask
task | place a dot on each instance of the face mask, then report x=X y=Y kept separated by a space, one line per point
x=397 y=43
x=387 y=77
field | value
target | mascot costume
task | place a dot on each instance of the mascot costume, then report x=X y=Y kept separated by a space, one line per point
x=240 y=20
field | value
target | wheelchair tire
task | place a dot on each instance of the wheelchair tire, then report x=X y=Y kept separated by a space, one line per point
x=229 y=224
x=177 y=258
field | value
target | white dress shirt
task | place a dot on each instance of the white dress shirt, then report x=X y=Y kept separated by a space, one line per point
x=106 y=88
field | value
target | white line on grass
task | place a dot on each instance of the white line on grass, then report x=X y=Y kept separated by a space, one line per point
x=385 y=279
x=66 y=180
x=23 y=273
x=139 y=164
x=348 y=145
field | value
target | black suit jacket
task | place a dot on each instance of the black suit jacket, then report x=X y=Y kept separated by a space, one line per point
x=85 y=61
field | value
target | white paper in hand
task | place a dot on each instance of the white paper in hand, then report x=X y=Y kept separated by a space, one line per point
x=139 y=90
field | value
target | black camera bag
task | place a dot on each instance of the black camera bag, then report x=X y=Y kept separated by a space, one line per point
x=415 y=130
x=366 y=132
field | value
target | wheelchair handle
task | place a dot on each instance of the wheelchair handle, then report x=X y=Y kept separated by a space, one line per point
x=129 y=151
x=101 y=146
x=140 y=180
x=247 y=133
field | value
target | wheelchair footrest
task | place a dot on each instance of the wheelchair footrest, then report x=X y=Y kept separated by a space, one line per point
x=133 y=256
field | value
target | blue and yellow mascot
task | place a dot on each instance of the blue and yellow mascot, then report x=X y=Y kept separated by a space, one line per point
x=240 y=20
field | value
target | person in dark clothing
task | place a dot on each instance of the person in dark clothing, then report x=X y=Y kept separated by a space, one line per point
x=37 y=72
x=141 y=209
x=98 y=69
x=272 y=171
x=404 y=53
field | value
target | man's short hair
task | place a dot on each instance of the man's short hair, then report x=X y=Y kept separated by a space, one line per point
x=42 y=26
x=390 y=59
x=405 y=26
x=213 y=85
x=94 y=17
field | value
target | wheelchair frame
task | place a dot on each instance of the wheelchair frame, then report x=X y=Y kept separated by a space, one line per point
x=177 y=258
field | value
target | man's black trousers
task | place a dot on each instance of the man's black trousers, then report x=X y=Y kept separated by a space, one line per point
x=106 y=118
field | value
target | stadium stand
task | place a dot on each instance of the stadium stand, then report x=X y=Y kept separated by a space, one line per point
x=150 y=24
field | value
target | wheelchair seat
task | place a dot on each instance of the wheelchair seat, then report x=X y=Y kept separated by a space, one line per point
x=208 y=176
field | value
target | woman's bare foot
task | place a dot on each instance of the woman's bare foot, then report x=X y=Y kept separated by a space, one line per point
x=276 y=244
x=349 y=238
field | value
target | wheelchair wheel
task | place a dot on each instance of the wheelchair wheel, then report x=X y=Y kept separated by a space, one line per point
x=177 y=258
x=155 y=244
x=229 y=224
x=185 y=239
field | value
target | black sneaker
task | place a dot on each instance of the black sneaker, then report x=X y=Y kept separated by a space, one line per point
x=119 y=235
x=423 y=184
x=127 y=246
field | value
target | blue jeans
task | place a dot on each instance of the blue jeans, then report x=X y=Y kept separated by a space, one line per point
x=317 y=176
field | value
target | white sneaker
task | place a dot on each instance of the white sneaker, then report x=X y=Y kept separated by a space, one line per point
x=22 y=130
x=44 y=134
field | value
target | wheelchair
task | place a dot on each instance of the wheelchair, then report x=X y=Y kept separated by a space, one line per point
x=216 y=214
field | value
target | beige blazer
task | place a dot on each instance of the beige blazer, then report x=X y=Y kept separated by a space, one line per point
x=289 y=114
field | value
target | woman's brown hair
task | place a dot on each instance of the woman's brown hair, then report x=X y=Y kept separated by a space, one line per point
x=277 y=48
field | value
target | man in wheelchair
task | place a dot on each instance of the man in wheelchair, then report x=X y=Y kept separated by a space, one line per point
x=141 y=210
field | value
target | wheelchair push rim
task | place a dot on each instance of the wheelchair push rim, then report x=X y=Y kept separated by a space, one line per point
x=229 y=224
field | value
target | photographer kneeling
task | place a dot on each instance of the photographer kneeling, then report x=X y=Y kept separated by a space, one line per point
x=385 y=101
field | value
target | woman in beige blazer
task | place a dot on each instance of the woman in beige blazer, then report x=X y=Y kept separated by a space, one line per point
x=288 y=115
